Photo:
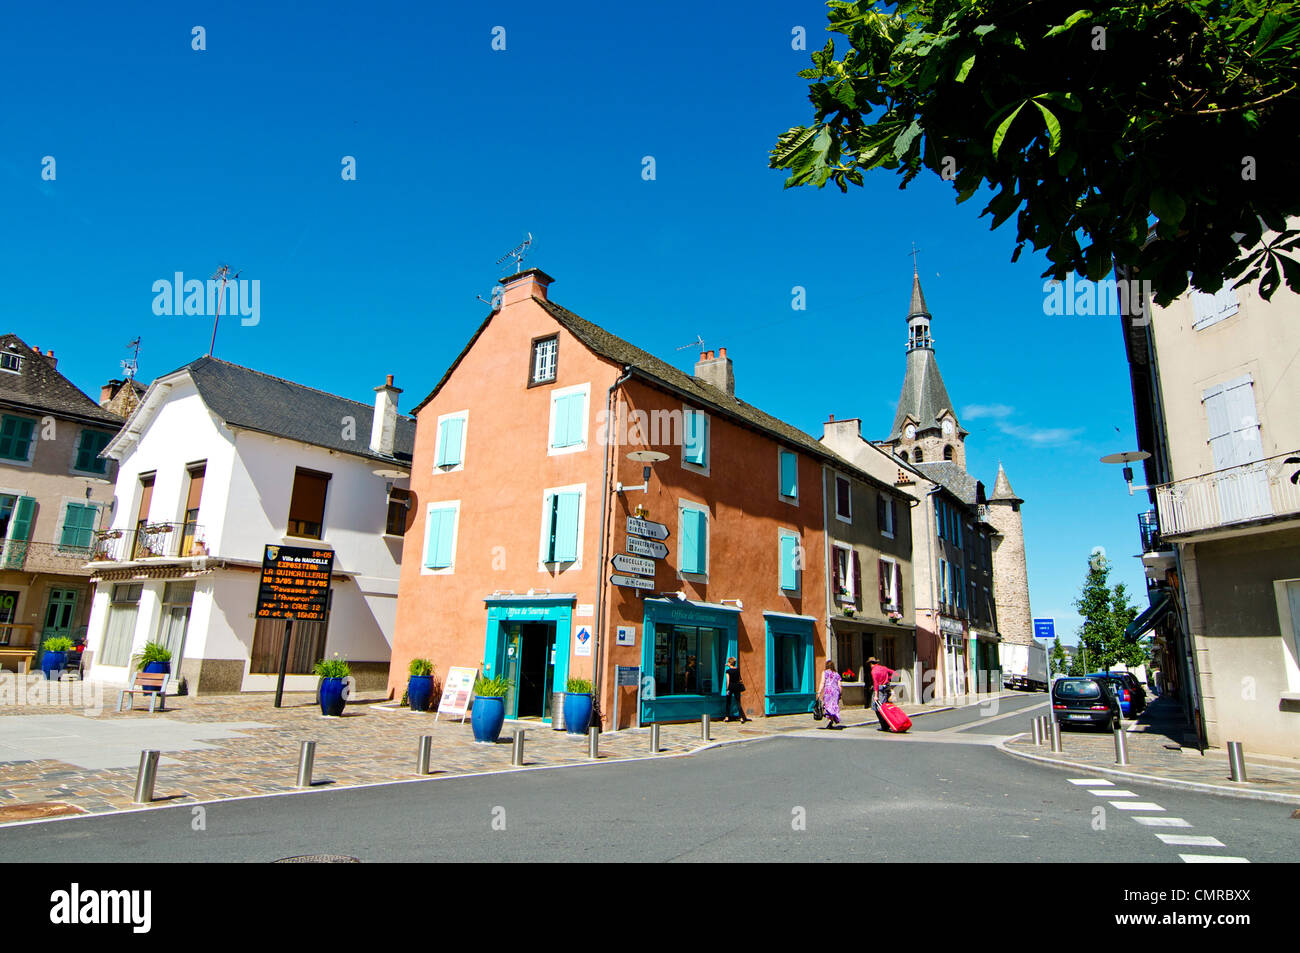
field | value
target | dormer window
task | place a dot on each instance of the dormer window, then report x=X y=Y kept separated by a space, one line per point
x=544 y=360
x=13 y=363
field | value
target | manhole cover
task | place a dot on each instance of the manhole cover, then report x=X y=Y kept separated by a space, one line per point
x=317 y=859
x=36 y=812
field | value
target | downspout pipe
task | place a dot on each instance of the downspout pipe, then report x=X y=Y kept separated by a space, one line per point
x=598 y=659
x=826 y=536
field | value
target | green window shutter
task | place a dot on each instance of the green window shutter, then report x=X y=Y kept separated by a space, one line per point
x=695 y=543
x=789 y=474
x=78 y=526
x=16 y=437
x=696 y=438
x=564 y=544
x=24 y=510
x=88 y=449
x=789 y=574
x=438 y=538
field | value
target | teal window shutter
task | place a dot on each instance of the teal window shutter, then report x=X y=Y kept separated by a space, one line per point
x=560 y=414
x=789 y=474
x=78 y=526
x=438 y=538
x=696 y=438
x=16 y=437
x=564 y=544
x=695 y=544
x=88 y=450
x=789 y=574
x=451 y=435
x=577 y=413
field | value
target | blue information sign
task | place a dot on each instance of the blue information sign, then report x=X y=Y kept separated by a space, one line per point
x=1045 y=629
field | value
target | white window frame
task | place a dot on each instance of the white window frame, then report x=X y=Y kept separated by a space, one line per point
x=687 y=410
x=464 y=441
x=890 y=508
x=792 y=500
x=17 y=357
x=556 y=393
x=533 y=379
x=838 y=478
x=682 y=507
x=544 y=535
x=895 y=580
x=797 y=592
x=846 y=576
x=455 y=538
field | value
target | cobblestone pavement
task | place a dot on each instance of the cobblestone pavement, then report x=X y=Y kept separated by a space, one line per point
x=1156 y=752
x=374 y=741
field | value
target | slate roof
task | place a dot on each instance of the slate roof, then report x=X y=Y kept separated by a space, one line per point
x=923 y=396
x=1002 y=487
x=246 y=398
x=40 y=388
x=953 y=476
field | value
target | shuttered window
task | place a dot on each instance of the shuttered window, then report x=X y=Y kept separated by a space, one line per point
x=789 y=562
x=696 y=438
x=564 y=510
x=843 y=498
x=789 y=474
x=88 y=449
x=16 y=437
x=78 y=527
x=307 y=504
x=693 y=554
x=440 y=536
x=451 y=442
x=568 y=420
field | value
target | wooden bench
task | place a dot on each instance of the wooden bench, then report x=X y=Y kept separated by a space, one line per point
x=149 y=683
x=20 y=658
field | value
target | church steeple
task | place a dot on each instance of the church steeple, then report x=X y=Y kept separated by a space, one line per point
x=918 y=318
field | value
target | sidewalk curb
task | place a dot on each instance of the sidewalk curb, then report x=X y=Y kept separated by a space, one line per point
x=1175 y=783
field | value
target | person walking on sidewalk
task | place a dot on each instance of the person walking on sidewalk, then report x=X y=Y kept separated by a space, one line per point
x=829 y=689
x=880 y=676
x=734 y=687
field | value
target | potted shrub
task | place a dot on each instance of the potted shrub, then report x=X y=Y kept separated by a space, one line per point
x=489 y=712
x=577 y=706
x=154 y=658
x=419 y=689
x=334 y=673
x=55 y=656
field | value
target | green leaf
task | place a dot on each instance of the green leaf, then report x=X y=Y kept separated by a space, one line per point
x=905 y=139
x=1168 y=206
x=1069 y=23
x=1053 y=127
x=985 y=29
x=964 y=70
x=1001 y=132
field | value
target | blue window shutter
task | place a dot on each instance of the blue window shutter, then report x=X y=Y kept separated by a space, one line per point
x=450 y=445
x=577 y=413
x=789 y=474
x=565 y=546
x=789 y=575
x=562 y=410
x=442 y=444
x=702 y=541
x=438 y=539
x=696 y=438
x=694 y=555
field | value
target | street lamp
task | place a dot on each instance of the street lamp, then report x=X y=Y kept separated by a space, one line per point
x=1126 y=458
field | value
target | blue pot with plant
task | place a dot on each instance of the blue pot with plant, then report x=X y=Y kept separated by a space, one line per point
x=577 y=706
x=55 y=656
x=489 y=714
x=419 y=689
x=153 y=659
x=334 y=676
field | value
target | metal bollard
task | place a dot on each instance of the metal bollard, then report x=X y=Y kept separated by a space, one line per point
x=517 y=749
x=1038 y=732
x=145 y=778
x=1121 y=746
x=306 y=759
x=593 y=742
x=1056 y=735
x=654 y=738
x=424 y=754
x=705 y=724
x=1236 y=761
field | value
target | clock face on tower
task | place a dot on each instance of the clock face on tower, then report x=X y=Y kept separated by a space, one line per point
x=947 y=428
x=910 y=432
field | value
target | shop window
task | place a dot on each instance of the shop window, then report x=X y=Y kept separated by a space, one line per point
x=686 y=660
x=787 y=662
x=307 y=504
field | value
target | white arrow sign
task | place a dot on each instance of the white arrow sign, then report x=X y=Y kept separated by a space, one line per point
x=646 y=528
x=646 y=547
x=642 y=567
x=632 y=582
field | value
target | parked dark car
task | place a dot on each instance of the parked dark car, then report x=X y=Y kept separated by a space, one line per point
x=1085 y=700
x=1132 y=696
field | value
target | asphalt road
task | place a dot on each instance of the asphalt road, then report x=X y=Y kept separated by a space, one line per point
x=943 y=794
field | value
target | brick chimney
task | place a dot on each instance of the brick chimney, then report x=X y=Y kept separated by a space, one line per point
x=715 y=370
x=527 y=284
x=849 y=427
x=383 y=430
x=108 y=392
x=54 y=361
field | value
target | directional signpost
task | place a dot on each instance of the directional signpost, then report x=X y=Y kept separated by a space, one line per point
x=646 y=547
x=646 y=528
x=632 y=582
x=635 y=569
x=642 y=567
x=1045 y=629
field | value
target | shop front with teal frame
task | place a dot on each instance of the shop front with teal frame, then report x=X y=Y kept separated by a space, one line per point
x=505 y=612
x=684 y=653
x=791 y=677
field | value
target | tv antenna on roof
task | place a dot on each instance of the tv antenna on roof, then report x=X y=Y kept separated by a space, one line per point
x=130 y=367
x=518 y=253
x=223 y=272
x=698 y=342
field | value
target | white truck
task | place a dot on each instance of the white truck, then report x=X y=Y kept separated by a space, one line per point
x=1024 y=666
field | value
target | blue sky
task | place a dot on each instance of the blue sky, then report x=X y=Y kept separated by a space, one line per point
x=169 y=159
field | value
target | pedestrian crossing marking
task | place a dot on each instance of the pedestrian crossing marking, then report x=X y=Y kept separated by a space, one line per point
x=1190 y=840
x=1162 y=821
x=1137 y=805
x=1212 y=859
x=1094 y=782
x=1115 y=793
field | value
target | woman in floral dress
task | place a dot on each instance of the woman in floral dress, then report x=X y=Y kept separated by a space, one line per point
x=830 y=692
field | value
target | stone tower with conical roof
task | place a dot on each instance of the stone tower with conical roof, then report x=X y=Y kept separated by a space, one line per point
x=926 y=429
x=1010 y=569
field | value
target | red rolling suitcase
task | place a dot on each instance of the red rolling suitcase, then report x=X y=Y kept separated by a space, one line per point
x=895 y=717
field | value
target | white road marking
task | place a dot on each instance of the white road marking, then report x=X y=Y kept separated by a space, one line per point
x=1092 y=782
x=1116 y=793
x=1190 y=840
x=1137 y=805
x=1212 y=859
x=1162 y=821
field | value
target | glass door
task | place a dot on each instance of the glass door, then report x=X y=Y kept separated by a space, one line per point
x=59 y=611
x=511 y=640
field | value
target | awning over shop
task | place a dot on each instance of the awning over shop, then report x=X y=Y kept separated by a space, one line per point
x=1144 y=622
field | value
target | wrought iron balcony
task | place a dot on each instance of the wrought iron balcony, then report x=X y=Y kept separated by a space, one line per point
x=1149 y=527
x=1248 y=493
x=150 y=541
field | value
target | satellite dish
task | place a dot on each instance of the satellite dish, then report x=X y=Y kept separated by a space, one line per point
x=1128 y=456
x=647 y=456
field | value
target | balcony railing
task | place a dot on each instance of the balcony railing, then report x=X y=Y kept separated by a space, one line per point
x=1149 y=527
x=29 y=556
x=1251 y=492
x=150 y=541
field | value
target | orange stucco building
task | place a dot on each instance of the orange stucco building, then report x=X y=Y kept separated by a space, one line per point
x=523 y=493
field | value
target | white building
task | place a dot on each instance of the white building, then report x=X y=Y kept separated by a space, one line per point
x=218 y=462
